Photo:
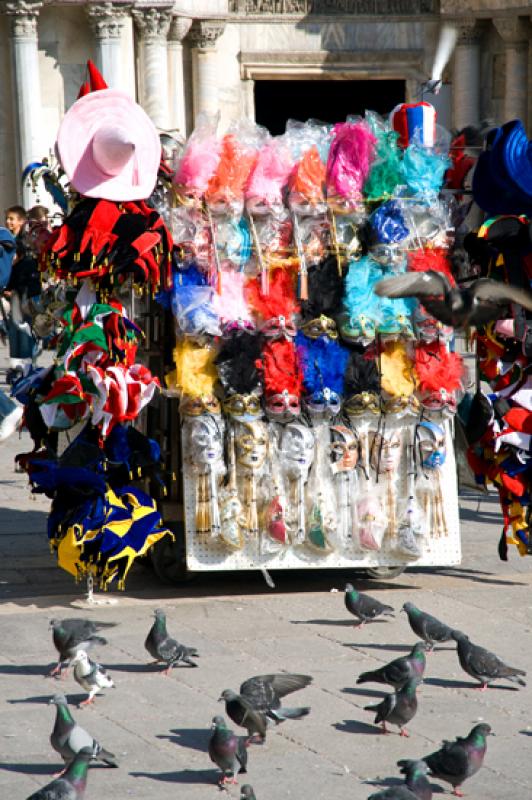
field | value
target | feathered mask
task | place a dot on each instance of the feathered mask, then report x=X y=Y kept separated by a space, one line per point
x=200 y=160
x=397 y=378
x=323 y=362
x=282 y=379
x=362 y=384
x=268 y=178
x=362 y=308
x=439 y=374
x=277 y=309
x=350 y=156
x=324 y=290
x=195 y=374
x=230 y=303
x=424 y=170
x=226 y=187
x=431 y=259
x=386 y=172
x=238 y=363
x=193 y=303
x=307 y=181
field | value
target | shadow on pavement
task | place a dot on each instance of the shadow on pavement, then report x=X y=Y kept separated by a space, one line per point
x=354 y=726
x=186 y=776
x=30 y=769
x=133 y=667
x=347 y=623
x=191 y=738
x=401 y=648
x=41 y=698
x=365 y=692
x=450 y=684
x=24 y=669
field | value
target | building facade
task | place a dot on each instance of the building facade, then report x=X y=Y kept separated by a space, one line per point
x=261 y=59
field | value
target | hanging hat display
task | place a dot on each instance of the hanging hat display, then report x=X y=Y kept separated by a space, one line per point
x=414 y=122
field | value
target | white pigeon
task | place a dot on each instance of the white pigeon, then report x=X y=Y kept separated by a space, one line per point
x=91 y=676
x=444 y=51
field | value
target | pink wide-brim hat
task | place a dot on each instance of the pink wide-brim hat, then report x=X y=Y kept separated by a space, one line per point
x=109 y=148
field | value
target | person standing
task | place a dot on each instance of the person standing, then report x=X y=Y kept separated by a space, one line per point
x=24 y=285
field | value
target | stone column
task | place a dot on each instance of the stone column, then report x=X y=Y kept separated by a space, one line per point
x=153 y=24
x=248 y=99
x=26 y=85
x=107 y=22
x=466 y=75
x=179 y=27
x=514 y=32
x=203 y=36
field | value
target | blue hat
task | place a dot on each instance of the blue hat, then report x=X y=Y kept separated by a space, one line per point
x=497 y=188
x=388 y=224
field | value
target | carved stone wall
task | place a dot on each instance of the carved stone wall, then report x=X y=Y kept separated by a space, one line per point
x=345 y=7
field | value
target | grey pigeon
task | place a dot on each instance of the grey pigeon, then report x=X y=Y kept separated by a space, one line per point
x=164 y=649
x=72 y=635
x=363 y=606
x=71 y=784
x=430 y=629
x=227 y=751
x=400 y=670
x=241 y=711
x=68 y=738
x=397 y=708
x=482 y=665
x=481 y=302
x=264 y=692
x=456 y=761
x=416 y=786
x=247 y=793
x=91 y=676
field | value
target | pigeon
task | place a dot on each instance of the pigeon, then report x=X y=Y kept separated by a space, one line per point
x=400 y=670
x=482 y=665
x=444 y=50
x=363 y=606
x=247 y=793
x=397 y=708
x=481 y=302
x=416 y=787
x=72 y=783
x=165 y=649
x=227 y=751
x=72 y=635
x=264 y=692
x=458 y=760
x=241 y=711
x=91 y=676
x=68 y=738
x=430 y=629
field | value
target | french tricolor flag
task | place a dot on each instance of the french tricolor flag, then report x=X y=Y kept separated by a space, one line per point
x=414 y=122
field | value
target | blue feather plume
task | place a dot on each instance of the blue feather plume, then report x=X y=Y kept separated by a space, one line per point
x=323 y=362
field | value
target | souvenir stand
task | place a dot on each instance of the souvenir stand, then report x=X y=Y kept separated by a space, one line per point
x=309 y=419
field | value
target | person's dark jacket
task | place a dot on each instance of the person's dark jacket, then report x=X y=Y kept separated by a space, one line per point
x=25 y=277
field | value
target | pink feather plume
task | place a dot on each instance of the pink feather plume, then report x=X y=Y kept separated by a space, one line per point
x=351 y=155
x=199 y=162
x=231 y=304
x=270 y=174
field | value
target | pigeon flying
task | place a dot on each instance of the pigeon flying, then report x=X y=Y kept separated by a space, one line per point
x=91 y=676
x=400 y=670
x=417 y=786
x=456 y=761
x=264 y=692
x=72 y=635
x=481 y=302
x=482 y=665
x=68 y=738
x=242 y=713
x=397 y=708
x=72 y=783
x=444 y=50
x=363 y=606
x=430 y=629
x=247 y=793
x=164 y=649
x=227 y=751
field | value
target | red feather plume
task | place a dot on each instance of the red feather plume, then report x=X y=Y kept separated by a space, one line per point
x=437 y=369
x=433 y=259
x=281 y=369
x=281 y=299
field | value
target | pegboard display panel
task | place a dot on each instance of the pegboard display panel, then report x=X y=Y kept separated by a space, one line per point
x=439 y=543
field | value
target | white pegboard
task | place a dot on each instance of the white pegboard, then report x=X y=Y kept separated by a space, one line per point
x=206 y=554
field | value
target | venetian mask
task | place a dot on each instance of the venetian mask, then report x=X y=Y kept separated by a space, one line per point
x=401 y=405
x=363 y=403
x=321 y=326
x=356 y=329
x=344 y=449
x=391 y=255
x=283 y=407
x=201 y=404
x=428 y=329
x=385 y=452
x=324 y=403
x=278 y=328
x=440 y=400
x=297 y=449
x=242 y=406
x=251 y=444
x=431 y=443
x=204 y=440
x=399 y=325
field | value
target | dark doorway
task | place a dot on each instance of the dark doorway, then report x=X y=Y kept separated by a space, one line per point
x=329 y=101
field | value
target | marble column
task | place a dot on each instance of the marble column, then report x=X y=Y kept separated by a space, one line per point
x=153 y=24
x=107 y=22
x=203 y=36
x=179 y=27
x=466 y=75
x=514 y=34
x=248 y=99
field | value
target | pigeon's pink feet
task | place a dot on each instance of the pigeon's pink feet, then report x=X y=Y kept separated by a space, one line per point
x=226 y=779
x=481 y=688
x=457 y=792
x=86 y=702
x=54 y=670
x=167 y=670
x=58 y=774
x=64 y=674
x=384 y=729
x=404 y=732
